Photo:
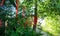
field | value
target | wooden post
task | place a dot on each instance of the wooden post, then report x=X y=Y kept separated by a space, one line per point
x=2 y=2
x=16 y=8
x=0 y=22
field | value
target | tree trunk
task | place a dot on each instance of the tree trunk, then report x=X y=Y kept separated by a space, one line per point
x=35 y=16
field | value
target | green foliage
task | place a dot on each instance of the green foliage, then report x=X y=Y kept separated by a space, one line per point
x=48 y=9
